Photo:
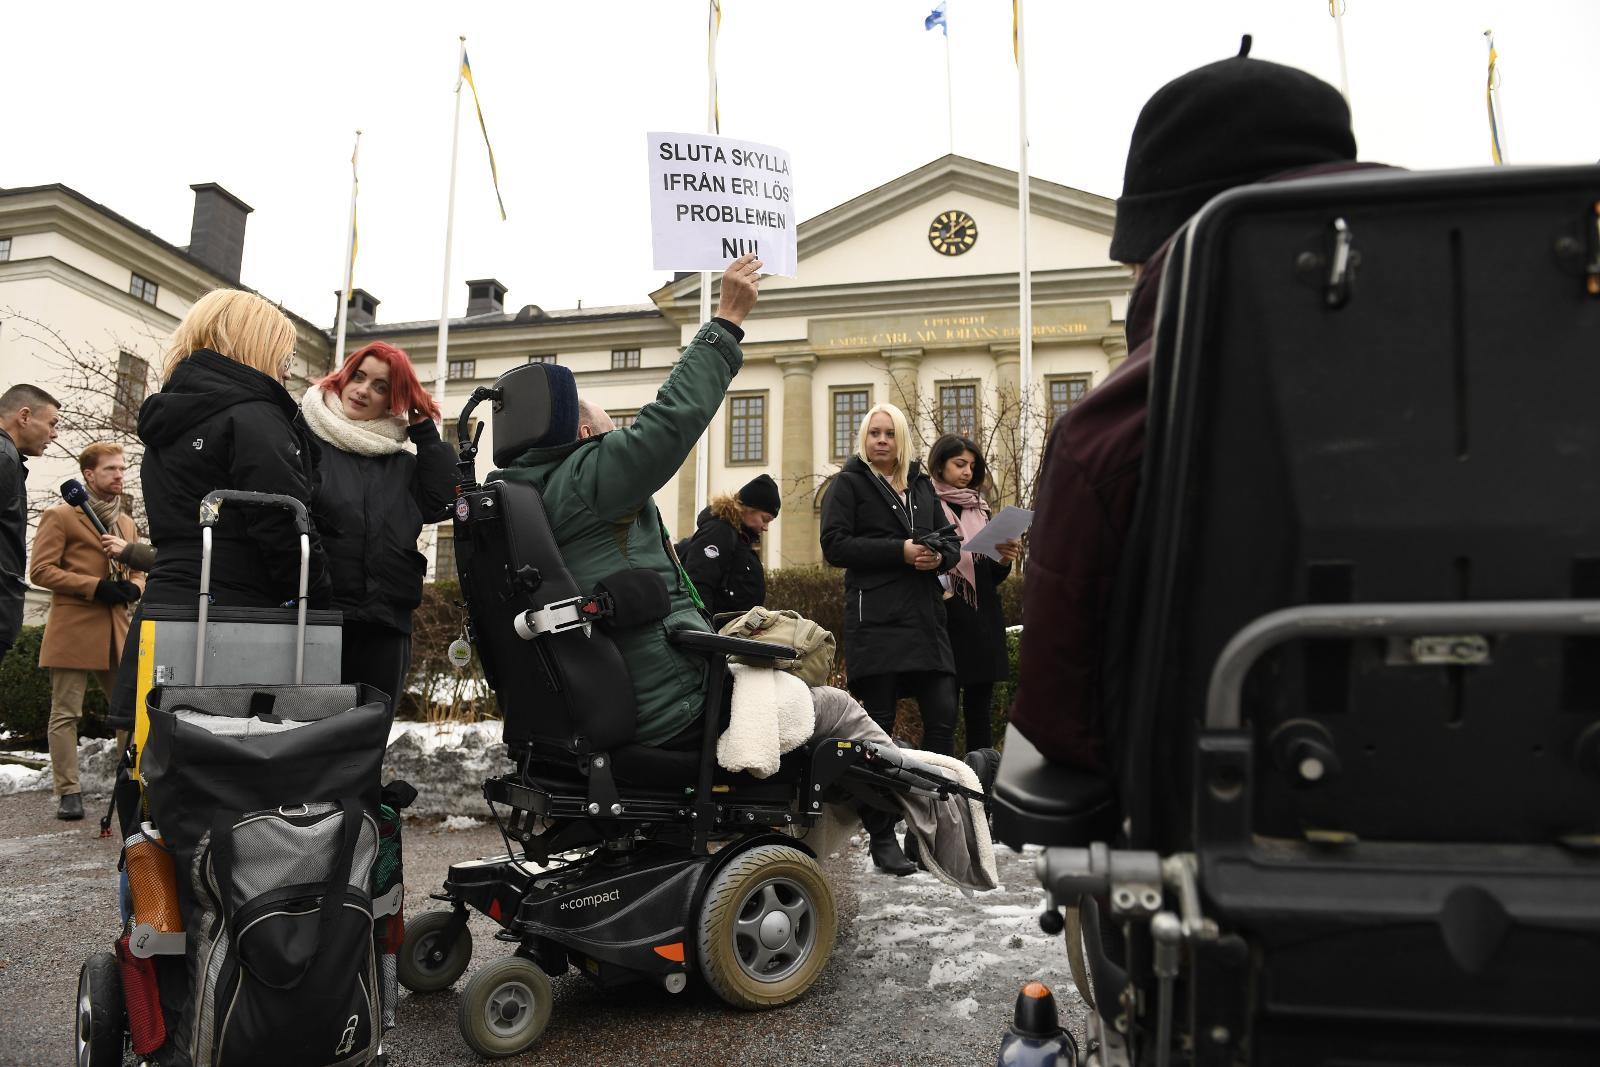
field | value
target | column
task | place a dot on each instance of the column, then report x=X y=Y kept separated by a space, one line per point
x=686 y=480
x=905 y=387
x=1116 y=350
x=798 y=522
x=1005 y=450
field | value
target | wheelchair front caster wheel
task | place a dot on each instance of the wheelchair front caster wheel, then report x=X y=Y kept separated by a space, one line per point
x=766 y=927
x=505 y=1007
x=99 y=1015
x=426 y=963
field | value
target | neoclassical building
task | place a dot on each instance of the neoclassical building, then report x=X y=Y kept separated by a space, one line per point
x=908 y=293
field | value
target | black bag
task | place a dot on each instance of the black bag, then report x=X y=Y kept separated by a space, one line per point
x=269 y=796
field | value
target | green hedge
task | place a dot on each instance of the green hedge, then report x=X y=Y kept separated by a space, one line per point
x=25 y=693
x=815 y=592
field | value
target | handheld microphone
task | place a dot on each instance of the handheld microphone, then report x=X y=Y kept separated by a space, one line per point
x=73 y=492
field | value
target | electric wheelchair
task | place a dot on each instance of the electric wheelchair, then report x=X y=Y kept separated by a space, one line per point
x=630 y=863
x=1356 y=812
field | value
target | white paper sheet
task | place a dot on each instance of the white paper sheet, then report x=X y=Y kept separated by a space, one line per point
x=1009 y=525
x=713 y=199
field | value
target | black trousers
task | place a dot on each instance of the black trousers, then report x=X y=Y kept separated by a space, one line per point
x=377 y=655
x=976 y=701
x=934 y=692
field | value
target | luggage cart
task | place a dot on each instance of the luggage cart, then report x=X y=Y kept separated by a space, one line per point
x=119 y=1002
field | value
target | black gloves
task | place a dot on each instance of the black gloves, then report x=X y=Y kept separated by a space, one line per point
x=109 y=592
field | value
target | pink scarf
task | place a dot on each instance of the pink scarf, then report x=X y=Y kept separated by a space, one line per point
x=974 y=516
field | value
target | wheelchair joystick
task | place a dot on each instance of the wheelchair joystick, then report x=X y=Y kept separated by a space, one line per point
x=1035 y=1037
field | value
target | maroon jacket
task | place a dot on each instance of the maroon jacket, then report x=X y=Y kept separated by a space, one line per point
x=1088 y=486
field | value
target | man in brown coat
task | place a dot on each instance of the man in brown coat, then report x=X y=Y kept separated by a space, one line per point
x=88 y=607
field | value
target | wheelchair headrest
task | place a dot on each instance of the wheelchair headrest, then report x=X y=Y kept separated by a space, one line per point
x=537 y=408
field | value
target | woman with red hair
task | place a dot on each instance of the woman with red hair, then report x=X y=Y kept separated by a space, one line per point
x=384 y=472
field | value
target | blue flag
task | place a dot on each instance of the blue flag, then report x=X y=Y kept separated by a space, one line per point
x=936 y=17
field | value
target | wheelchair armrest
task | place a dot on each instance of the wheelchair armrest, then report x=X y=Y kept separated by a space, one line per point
x=1037 y=802
x=709 y=644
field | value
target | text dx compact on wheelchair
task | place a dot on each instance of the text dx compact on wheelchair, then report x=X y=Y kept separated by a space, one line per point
x=612 y=863
x=1357 y=810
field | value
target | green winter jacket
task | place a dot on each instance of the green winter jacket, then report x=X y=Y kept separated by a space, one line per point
x=597 y=494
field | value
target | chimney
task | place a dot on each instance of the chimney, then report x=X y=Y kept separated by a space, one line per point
x=485 y=296
x=363 y=308
x=216 y=236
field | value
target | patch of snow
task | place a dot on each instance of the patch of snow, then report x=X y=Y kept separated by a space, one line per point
x=965 y=967
x=963 y=1008
x=454 y=823
x=15 y=778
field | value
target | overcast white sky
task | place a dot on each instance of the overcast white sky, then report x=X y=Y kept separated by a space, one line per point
x=130 y=104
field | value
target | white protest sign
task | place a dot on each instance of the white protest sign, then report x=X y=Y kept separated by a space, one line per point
x=714 y=199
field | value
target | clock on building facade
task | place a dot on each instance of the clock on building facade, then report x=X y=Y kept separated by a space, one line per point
x=952 y=233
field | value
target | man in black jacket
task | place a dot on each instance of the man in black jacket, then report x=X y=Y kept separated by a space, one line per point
x=722 y=558
x=28 y=417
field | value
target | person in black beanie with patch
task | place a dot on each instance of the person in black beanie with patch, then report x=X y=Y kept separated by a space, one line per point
x=1227 y=124
x=722 y=558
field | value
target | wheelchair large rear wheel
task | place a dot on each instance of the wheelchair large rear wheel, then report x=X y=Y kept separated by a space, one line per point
x=426 y=963
x=766 y=927
x=99 y=1014
x=505 y=1007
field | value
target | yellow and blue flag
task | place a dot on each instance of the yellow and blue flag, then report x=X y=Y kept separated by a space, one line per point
x=1494 y=110
x=466 y=75
x=938 y=17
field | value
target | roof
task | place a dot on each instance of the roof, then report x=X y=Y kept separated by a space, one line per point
x=530 y=315
x=160 y=242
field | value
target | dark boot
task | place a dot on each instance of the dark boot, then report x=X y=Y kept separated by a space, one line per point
x=985 y=763
x=71 y=807
x=913 y=850
x=885 y=848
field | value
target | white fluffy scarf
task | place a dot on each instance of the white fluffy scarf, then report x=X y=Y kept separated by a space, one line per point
x=382 y=436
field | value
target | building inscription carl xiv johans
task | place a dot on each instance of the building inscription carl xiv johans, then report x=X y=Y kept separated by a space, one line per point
x=1087 y=321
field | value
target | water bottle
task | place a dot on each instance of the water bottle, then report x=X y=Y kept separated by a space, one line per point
x=1035 y=1038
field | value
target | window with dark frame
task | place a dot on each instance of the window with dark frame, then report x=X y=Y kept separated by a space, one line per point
x=444 y=553
x=461 y=369
x=133 y=382
x=5 y=249
x=624 y=358
x=849 y=408
x=624 y=418
x=958 y=408
x=449 y=430
x=747 y=428
x=542 y=357
x=142 y=288
x=1066 y=391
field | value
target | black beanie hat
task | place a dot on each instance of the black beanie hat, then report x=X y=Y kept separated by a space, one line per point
x=1225 y=124
x=761 y=493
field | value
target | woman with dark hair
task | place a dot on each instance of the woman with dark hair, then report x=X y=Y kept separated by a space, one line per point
x=973 y=612
x=384 y=473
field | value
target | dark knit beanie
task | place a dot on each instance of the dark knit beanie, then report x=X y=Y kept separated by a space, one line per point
x=761 y=493
x=1225 y=124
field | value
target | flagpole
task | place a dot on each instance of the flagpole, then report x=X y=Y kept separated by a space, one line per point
x=349 y=260
x=441 y=366
x=949 y=97
x=1024 y=276
x=1336 y=9
x=702 y=452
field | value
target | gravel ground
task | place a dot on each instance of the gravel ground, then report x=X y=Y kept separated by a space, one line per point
x=920 y=975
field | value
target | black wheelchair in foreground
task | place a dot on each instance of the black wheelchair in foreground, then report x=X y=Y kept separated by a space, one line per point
x=630 y=863
x=1356 y=815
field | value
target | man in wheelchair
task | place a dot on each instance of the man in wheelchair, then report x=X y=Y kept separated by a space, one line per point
x=630 y=853
x=1317 y=765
